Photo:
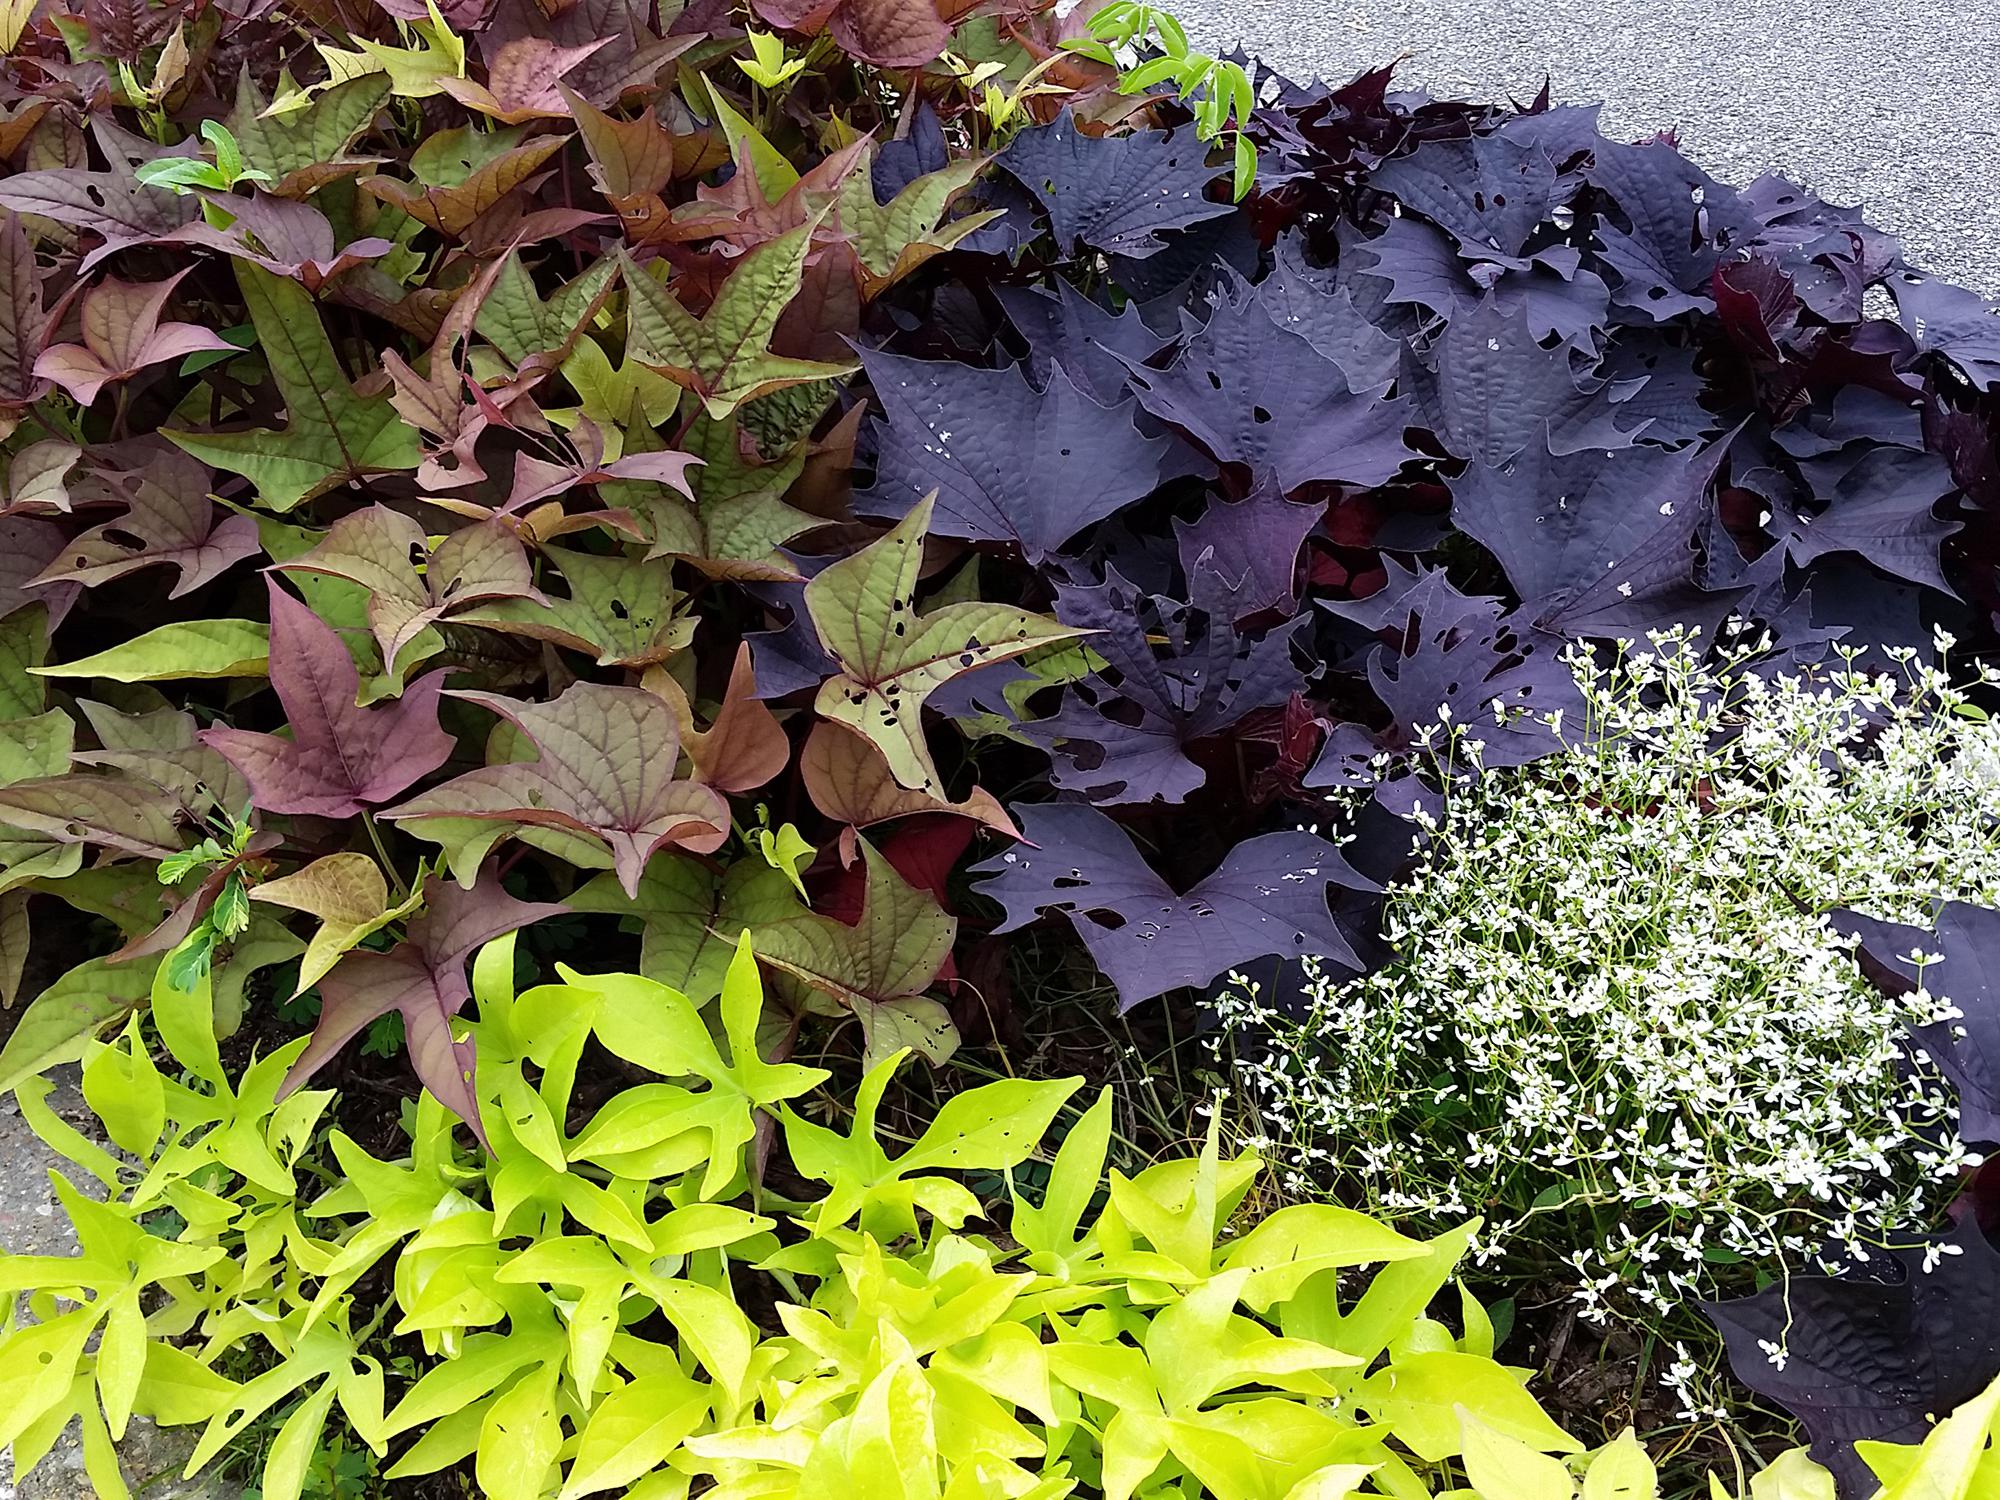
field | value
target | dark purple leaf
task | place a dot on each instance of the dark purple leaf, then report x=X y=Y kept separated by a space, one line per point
x=1268 y=897
x=1114 y=193
x=1321 y=309
x=1254 y=544
x=1121 y=735
x=1253 y=394
x=1070 y=331
x=1558 y=298
x=1454 y=665
x=1676 y=223
x=1881 y=506
x=1490 y=193
x=1008 y=462
x=1959 y=324
x=1497 y=391
x=1598 y=542
x=1868 y=1359
x=1966 y=947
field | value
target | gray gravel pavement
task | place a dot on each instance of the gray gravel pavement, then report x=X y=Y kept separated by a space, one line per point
x=1890 y=103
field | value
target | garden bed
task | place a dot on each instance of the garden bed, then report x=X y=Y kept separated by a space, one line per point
x=948 y=750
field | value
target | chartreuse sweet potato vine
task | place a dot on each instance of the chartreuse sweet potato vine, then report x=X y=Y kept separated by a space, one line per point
x=571 y=1306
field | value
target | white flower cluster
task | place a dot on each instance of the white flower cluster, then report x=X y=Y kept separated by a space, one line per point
x=1620 y=1025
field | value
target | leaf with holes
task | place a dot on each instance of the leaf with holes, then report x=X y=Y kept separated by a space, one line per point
x=411 y=584
x=892 y=658
x=168 y=520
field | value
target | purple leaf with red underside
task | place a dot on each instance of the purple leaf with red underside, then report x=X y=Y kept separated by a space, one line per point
x=1673 y=224
x=422 y=979
x=605 y=770
x=1253 y=544
x=1007 y=462
x=340 y=758
x=1268 y=897
x=168 y=519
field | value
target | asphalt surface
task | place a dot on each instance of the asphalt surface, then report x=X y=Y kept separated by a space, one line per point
x=1894 y=104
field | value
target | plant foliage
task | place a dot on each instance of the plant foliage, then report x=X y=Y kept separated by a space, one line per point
x=567 y=1311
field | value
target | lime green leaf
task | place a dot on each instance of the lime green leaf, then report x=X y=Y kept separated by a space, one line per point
x=185 y=649
x=58 y=1024
x=125 y=1091
x=1503 y=1468
x=1418 y=1399
x=1620 y=1470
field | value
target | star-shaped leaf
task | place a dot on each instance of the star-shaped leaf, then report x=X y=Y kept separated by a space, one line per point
x=411 y=584
x=423 y=979
x=623 y=611
x=1116 y=193
x=1268 y=897
x=605 y=770
x=340 y=758
x=168 y=519
x=122 y=335
x=332 y=435
x=348 y=895
x=724 y=356
x=1252 y=393
x=453 y=206
x=303 y=149
x=1122 y=736
x=877 y=968
x=890 y=240
x=892 y=658
x=1007 y=462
